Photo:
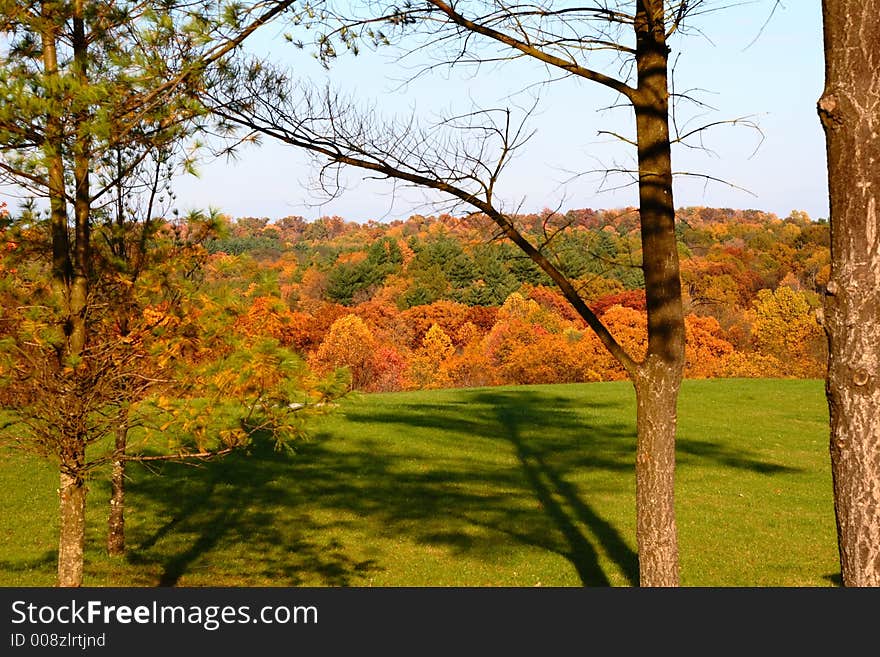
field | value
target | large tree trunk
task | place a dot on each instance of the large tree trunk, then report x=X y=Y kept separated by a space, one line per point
x=850 y=113
x=656 y=397
x=658 y=379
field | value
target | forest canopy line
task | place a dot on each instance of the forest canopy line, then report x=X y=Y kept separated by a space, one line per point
x=429 y=302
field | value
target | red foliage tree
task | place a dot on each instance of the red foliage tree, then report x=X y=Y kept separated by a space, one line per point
x=634 y=299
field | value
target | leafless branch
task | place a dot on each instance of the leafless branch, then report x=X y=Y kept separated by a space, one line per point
x=461 y=156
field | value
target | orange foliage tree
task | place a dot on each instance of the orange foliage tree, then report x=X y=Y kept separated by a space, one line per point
x=550 y=358
x=706 y=347
x=447 y=315
x=268 y=317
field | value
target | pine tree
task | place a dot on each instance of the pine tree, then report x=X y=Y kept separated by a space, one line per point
x=89 y=82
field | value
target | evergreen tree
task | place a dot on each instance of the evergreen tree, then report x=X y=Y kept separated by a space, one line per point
x=89 y=82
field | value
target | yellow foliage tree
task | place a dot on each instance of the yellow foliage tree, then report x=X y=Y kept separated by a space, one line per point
x=785 y=327
x=436 y=349
x=349 y=343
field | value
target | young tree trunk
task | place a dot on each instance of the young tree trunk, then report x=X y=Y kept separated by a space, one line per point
x=71 y=492
x=73 y=277
x=71 y=543
x=658 y=379
x=62 y=267
x=82 y=195
x=850 y=112
x=116 y=518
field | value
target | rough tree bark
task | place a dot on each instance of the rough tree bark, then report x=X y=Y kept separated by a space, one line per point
x=72 y=532
x=658 y=379
x=850 y=113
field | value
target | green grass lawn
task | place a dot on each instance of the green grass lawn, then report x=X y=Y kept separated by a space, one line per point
x=519 y=486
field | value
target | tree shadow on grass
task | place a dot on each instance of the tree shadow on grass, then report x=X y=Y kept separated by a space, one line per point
x=733 y=459
x=269 y=518
x=240 y=514
x=46 y=562
x=561 y=500
x=478 y=472
x=526 y=499
x=836 y=579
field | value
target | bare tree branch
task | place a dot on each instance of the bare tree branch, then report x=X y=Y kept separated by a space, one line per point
x=335 y=131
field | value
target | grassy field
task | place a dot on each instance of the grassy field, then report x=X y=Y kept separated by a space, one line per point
x=525 y=486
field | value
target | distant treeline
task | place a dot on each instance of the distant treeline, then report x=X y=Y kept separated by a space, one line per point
x=442 y=301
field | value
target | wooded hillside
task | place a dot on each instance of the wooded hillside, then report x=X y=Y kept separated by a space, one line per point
x=429 y=302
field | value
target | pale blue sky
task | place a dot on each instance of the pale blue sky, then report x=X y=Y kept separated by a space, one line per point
x=776 y=81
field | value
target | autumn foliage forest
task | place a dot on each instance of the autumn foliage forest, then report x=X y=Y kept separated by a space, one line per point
x=428 y=302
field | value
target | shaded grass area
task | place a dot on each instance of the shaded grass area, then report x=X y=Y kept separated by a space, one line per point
x=517 y=486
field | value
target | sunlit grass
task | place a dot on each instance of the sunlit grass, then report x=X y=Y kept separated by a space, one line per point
x=498 y=486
